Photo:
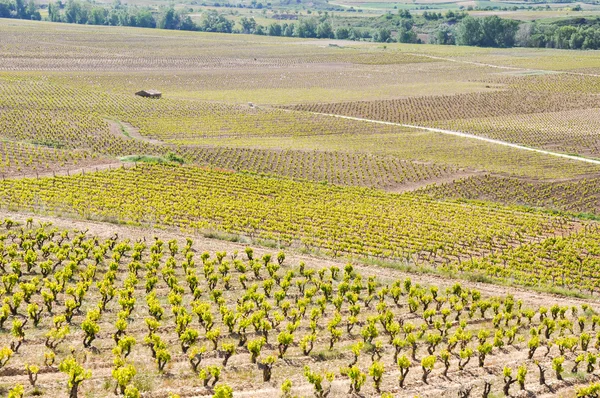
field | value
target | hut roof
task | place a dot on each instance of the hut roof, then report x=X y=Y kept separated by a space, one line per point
x=151 y=93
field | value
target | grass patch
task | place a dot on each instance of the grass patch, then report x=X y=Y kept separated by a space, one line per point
x=270 y=243
x=579 y=376
x=144 y=381
x=588 y=216
x=122 y=128
x=49 y=143
x=214 y=234
x=327 y=355
x=169 y=158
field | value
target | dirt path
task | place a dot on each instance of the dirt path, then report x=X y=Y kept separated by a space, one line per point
x=69 y=172
x=467 y=135
x=383 y=274
x=127 y=130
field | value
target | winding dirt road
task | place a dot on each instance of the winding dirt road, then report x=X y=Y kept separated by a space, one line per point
x=467 y=135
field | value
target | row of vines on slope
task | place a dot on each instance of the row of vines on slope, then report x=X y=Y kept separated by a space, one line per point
x=190 y=320
x=525 y=248
x=576 y=196
x=340 y=220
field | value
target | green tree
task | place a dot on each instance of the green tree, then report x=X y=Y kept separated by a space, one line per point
x=275 y=29
x=469 y=32
x=212 y=21
x=407 y=35
x=342 y=33
x=444 y=34
x=324 y=31
x=248 y=25
x=383 y=35
x=307 y=28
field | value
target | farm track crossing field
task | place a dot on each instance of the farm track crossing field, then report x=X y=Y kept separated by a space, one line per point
x=433 y=147
x=555 y=121
x=566 y=131
x=37 y=110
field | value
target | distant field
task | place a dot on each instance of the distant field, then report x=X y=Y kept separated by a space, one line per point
x=557 y=9
x=530 y=15
x=206 y=98
x=535 y=118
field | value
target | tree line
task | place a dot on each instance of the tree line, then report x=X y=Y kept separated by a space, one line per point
x=454 y=28
x=18 y=9
x=583 y=36
x=492 y=31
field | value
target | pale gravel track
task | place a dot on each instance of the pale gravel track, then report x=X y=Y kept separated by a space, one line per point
x=466 y=135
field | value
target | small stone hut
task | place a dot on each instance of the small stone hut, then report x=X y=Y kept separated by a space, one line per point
x=149 y=93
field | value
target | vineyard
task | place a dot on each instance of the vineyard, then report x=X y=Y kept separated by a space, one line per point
x=567 y=132
x=430 y=147
x=340 y=168
x=47 y=47
x=320 y=82
x=421 y=110
x=19 y=159
x=60 y=120
x=579 y=196
x=239 y=237
x=95 y=316
x=315 y=216
x=568 y=263
x=559 y=114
